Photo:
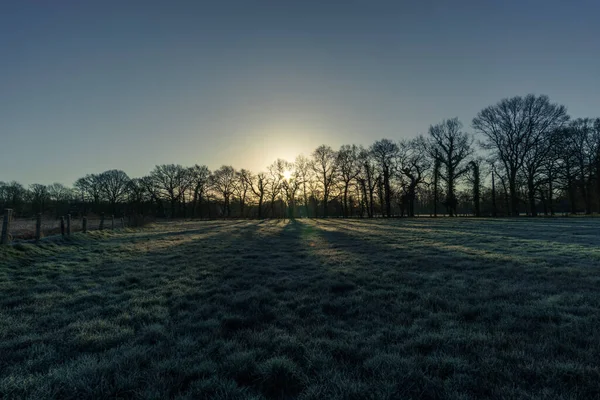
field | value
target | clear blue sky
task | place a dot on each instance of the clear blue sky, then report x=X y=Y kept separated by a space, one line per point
x=87 y=86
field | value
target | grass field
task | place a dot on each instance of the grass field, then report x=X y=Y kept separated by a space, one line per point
x=332 y=309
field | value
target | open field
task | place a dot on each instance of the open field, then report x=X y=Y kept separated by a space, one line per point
x=331 y=309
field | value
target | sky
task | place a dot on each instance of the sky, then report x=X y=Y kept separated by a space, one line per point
x=87 y=86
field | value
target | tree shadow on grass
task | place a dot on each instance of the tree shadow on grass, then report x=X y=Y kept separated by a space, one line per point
x=274 y=310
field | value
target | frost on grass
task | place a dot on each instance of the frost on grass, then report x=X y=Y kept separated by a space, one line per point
x=419 y=308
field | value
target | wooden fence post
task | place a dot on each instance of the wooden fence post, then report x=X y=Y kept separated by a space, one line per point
x=62 y=226
x=113 y=222
x=101 y=221
x=38 y=227
x=6 y=238
x=69 y=224
x=84 y=224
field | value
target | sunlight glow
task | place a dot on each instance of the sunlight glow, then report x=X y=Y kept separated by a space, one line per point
x=287 y=175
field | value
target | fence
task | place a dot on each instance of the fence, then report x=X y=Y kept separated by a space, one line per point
x=36 y=228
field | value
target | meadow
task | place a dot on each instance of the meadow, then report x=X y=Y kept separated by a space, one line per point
x=307 y=309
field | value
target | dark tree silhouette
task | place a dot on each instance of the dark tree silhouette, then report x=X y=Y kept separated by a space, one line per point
x=516 y=130
x=452 y=147
x=325 y=166
x=200 y=181
x=385 y=152
x=349 y=168
x=113 y=186
x=223 y=181
x=413 y=164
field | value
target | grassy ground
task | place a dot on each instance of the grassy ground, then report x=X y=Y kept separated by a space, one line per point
x=455 y=309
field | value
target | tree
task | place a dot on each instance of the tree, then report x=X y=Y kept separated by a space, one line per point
x=436 y=183
x=114 y=185
x=302 y=167
x=170 y=182
x=290 y=186
x=200 y=181
x=137 y=195
x=274 y=182
x=452 y=147
x=513 y=130
x=39 y=197
x=325 y=167
x=384 y=153
x=242 y=187
x=258 y=186
x=223 y=181
x=413 y=164
x=61 y=196
x=475 y=179
x=349 y=167
x=583 y=141
x=367 y=179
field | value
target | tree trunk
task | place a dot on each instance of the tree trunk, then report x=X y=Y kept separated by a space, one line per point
x=436 y=177
x=345 y=205
x=531 y=195
x=514 y=198
x=388 y=194
x=494 y=210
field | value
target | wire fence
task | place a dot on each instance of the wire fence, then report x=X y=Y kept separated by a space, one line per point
x=39 y=227
x=25 y=228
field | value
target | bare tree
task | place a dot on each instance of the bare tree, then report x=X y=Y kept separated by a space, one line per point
x=514 y=129
x=384 y=153
x=367 y=179
x=223 y=181
x=302 y=167
x=200 y=181
x=290 y=186
x=113 y=186
x=349 y=168
x=61 y=196
x=452 y=147
x=258 y=186
x=137 y=195
x=274 y=182
x=475 y=179
x=242 y=188
x=584 y=143
x=170 y=182
x=39 y=197
x=91 y=187
x=325 y=167
x=413 y=164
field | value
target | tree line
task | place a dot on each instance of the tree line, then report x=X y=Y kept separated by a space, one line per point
x=525 y=156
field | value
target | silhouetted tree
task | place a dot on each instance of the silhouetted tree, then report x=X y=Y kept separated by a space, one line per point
x=515 y=130
x=413 y=164
x=39 y=197
x=242 y=188
x=303 y=169
x=384 y=153
x=368 y=179
x=200 y=181
x=258 y=186
x=349 y=167
x=169 y=181
x=324 y=164
x=452 y=147
x=113 y=186
x=223 y=181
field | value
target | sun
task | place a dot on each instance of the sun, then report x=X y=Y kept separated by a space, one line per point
x=287 y=175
